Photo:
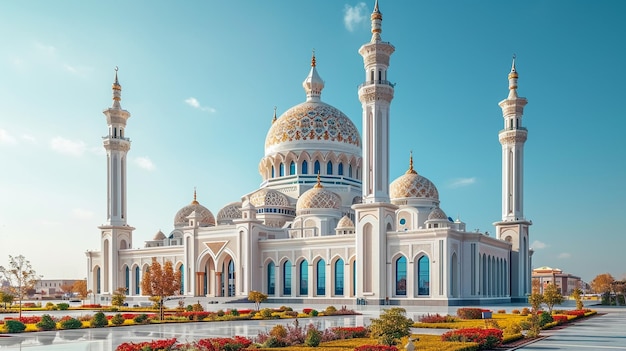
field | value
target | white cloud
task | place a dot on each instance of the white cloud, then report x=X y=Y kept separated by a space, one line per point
x=68 y=147
x=46 y=49
x=82 y=213
x=564 y=255
x=7 y=138
x=354 y=15
x=31 y=139
x=538 y=245
x=145 y=163
x=459 y=182
x=193 y=102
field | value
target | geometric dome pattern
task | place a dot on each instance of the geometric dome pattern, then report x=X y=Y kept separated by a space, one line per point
x=269 y=197
x=229 y=212
x=206 y=217
x=345 y=222
x=313 y=120
x=437 y=213
x=413 y=185
x=318 y=198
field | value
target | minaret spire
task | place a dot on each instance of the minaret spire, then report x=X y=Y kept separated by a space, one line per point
x=411 y=170
x=313 y=83
x=274 y=119
x=513 y=81
x=195 y=198
x=377 y=25
x=117 y=92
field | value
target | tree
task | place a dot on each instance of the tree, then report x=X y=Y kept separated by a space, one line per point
x=6 y=298
x=577 y=296
x=21 y=277
x=535 y=300
x=257 y=297
x=80 y=287
x=119 y=296
x=391 y=326
x=602 y=283
x=552 y=296
x=160 y=282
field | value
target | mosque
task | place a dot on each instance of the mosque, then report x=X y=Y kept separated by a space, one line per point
x=326 y=224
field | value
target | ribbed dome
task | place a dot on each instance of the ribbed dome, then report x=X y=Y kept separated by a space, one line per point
x=206 y=217
x=437 y=213
x=318 y=198
x=414 y=185
x=269 y=197
x=229 y=212
x=159 y=236
x=345 y=222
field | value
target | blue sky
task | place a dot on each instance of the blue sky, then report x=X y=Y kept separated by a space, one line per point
x=201 y=79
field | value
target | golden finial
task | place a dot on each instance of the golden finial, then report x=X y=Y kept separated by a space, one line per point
x=513 y=73
x=319 y=181
x=116 y=84
x=313 y=59
x=274 y=119
x=411 y=170
x=195 y=201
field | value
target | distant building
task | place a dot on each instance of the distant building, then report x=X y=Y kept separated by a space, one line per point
x=52 y=288
x=566 y=282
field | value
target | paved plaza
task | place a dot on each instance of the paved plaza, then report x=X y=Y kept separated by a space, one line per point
x=607 y=331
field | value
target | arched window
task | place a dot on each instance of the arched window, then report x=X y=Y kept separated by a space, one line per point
x=401 y=276
x=127 y=279
x=350 y=171
x=137 y=280
x=231 y=278
x=321 y=278
x=272 y=171
x=271 y=278
x=287 y=277
x=354 y=278
x=182 y=278
x=281 y=170
x=423 y=276
x=205 y=281
x=305 y=167
x=98 y=286
x=340 y=169
x=316 y=167
x=339 y=277
x=292 y=168
x=329 y=167
x=304 y=278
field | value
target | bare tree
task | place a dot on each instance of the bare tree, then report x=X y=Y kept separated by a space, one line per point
x=21 y=277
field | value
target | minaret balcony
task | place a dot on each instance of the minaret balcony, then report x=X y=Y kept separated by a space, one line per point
x=518 y=128
x=377 y=82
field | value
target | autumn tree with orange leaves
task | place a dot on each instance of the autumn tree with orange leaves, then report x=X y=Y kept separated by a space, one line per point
x=160 y=282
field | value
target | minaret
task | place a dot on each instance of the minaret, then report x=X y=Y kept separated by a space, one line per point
x=376 y=94
x=514 y=226
x=116 y=234
x=375 y=215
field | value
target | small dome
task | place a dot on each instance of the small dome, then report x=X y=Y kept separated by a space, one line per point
x=269 y=197
x=414 y=185
x=345 y=222
x=159 y=236
x=229 y=212
x=206 y=217
x=318 y=198
x=437 y=214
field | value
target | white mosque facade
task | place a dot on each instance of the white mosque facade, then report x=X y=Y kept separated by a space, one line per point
x=326 y=224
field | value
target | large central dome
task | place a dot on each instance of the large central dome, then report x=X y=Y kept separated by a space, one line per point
x=313 y=124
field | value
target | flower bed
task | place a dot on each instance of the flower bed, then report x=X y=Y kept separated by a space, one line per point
x=485 y=338
x=349 y=332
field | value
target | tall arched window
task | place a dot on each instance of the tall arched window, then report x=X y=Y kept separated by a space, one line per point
x=454 y=275
x=354 y=278
x=304 y=278
x=137 y=280
x=305 y=167
x=350 y=171
x=231 y=278
x=339 y=277
x=182 y=278
x=271 y=278
x=316 y=167
x=206 y=281
x=127 y=279
x=401 y=276
x=272 y=171
x=281 y=170
x=340 y=169
x=329 y=167
x=423 y=276
x=287 y=277
x=98 y=286
x=321 y=278
x=292 y=168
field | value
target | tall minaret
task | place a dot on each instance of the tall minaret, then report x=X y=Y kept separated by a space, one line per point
x=514 y=227
x=375 y=215
x=116 y=234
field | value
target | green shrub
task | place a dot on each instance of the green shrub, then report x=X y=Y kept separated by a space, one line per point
x=71 y=323
x=117 y=319
x=273 y=341
x=189 y=308
x=14 y=326
x=63 y=306
x=266 y=313
x=141 y=319
x=234 y=312
x=99 y=320
x=544 y=318
x=46 y=323
x=313 y=337
x=314 y=313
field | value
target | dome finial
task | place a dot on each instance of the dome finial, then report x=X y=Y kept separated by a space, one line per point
x=117 y=91
x=313 y=83
x=313 y=58
x=513 y=80
x=274 y=119
x=411 y=170
x=319 y=181
x=377 y=27
x=195 y=201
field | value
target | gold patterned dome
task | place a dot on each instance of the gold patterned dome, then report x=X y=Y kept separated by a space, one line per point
x=269 y=197
x=206 y=217
x=345 y=222
x=414 y=185
x=437 y=213
x=229 y=212
x=318 y=198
